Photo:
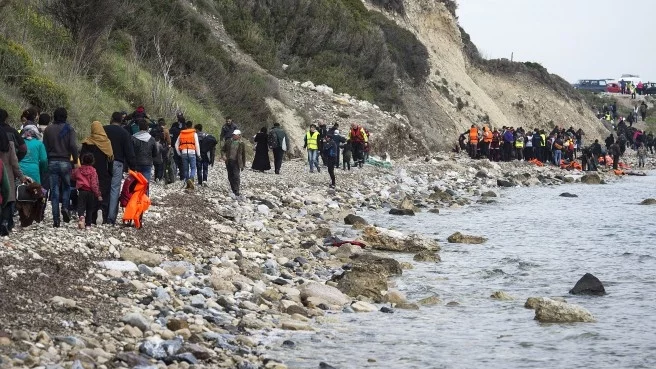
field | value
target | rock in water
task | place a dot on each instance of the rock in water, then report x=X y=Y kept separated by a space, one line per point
x=407 y=212
x=551 y=311
x=591 y=178
x=462 y=238
x=353 y=219
x=323 y=365
x=504 y=183
x=502 y=296
x=588 y=285
x=489 y=194
x=567 y=194
x=407 y=204
x=648 y=202
x=317 y=293
x=427 y=256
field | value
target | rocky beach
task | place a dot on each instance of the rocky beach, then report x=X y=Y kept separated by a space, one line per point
x=209 y=273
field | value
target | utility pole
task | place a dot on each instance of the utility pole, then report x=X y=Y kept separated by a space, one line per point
x=512 y=55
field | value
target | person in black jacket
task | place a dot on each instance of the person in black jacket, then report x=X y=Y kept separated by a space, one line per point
x=145 y=150
x=228 y=128
x=123 y=151
x=174 y=132
x=13 y=135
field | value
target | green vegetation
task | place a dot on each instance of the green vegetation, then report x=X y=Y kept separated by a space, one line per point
x=334 y=42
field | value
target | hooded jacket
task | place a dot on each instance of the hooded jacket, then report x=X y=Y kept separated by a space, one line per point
x=145 y=149
x=59 y=140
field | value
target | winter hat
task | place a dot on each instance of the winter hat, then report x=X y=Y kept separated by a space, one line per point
x=336 y=133
x=236 y=132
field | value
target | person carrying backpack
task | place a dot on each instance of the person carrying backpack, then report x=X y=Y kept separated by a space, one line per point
x=329 y=153
x=207 y=152
x=277 y=140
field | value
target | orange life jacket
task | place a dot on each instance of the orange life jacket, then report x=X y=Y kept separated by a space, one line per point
x=187 y=140
x=473 y=135
x=487 y=136
x=139 y=202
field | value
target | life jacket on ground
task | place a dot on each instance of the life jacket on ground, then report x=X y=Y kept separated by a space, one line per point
x=312 y=140
x=536 y=162
x=473 y=135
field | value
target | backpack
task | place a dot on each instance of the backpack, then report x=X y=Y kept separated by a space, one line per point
x=207 y=144
x=127 y=190
x=157 y=132
x=272 y=140
x=330 y=151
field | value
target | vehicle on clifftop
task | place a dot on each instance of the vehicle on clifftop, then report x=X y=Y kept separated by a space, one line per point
x=593 y=85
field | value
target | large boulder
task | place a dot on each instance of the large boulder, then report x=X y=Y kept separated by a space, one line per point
x=504 y=183
x=138 y=256
x=353 y=219
x=387 y=240
x=368 y=276
x=408 y=204
x=440 y=195
x=648 y=202
x=567 y=194
x=551 y=311
x=592 y=178
x=316 y=293
x=463 y=238
x=588 y=285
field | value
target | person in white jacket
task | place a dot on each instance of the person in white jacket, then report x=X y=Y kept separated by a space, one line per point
x=188 y=148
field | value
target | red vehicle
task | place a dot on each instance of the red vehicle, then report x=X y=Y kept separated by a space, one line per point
x=613 y=88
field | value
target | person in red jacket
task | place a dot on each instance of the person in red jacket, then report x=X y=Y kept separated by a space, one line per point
x=86 y=182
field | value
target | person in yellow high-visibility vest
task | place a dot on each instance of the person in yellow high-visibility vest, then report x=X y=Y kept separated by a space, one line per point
x=312 y=146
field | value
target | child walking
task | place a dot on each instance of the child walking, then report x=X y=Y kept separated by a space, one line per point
x=347 y=155
x=86 y=182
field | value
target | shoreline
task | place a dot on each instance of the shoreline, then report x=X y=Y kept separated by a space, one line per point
x=210 y=272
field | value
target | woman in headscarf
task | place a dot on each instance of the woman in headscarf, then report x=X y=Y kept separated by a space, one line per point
x=261 y=161
x=11 y=168
x=99 y=145
x=36 y=160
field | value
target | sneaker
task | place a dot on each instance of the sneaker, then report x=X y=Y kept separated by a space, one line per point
x=318 y=170
x=66 y=215
x=332 y=186
x=190 y=184
x=55 y=224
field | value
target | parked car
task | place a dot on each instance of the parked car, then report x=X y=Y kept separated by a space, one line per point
x=649 y=88
x=594 y=85
x=613 y=88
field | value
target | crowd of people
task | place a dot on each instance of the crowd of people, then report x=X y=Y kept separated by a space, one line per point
x=511 y=143
x=43 y=161
x=610 y=114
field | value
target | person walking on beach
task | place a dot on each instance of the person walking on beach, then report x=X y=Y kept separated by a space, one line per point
x=207 y=152
x=312 y=145
x=642 y=155
x=473 y=141
x=261 y=161
x=330 y=154
x=615 y=151
x=234 y=156
x=188 y=148
x=277 y=140
x=359 y=139
x=227 y=130
x=123 y=151
x=643 y=111
x=61 y=148
x=100 y=148
x=86 y=182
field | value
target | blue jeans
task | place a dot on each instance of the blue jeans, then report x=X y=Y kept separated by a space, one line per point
x=60 y=173
x=313 y=159
x=557 y=156
x=203 y=168
x=188 y=166
x=115 y=191
x=146 y=170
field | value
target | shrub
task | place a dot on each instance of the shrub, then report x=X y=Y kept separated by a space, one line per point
x=391 y=5
x=43 y=93
x=15 y=62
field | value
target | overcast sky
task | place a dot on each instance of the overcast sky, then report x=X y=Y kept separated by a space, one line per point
x=576 y=39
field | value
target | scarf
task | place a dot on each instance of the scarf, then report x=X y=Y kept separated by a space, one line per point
x=99 y=138
x=31 y=131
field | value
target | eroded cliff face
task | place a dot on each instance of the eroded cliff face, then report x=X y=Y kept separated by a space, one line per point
x=460 y=92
